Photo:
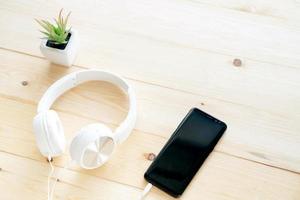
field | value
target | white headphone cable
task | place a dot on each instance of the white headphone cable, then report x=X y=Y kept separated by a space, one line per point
x=145 y=191
x=57 y=177
x=49 y=177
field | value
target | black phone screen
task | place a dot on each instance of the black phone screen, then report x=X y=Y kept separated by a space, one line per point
x=184 y=153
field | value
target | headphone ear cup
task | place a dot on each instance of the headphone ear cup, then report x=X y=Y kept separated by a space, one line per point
x=55 y=133
x=49 y=133
x=40 y=134
x=92 y=146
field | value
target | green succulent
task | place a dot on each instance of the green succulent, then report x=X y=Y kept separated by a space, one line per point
x=57 y=32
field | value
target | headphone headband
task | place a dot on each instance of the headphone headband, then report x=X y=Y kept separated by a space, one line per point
x=72 y=80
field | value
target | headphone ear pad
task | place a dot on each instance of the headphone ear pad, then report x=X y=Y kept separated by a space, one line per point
x=92 y=146
x=49 y=133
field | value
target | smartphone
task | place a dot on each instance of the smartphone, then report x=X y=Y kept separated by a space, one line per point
x=184 y=153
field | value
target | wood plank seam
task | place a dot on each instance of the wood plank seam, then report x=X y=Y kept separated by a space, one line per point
x=176 y=44
x=162 y=86
x=61 y=167
x=273 y=166
x=143 y=132
x=189 y=6
x=202 y=49
x=113 y=124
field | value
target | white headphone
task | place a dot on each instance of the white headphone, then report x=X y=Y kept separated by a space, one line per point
x=94 y=143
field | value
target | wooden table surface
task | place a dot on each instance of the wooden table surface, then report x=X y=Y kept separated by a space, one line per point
x=177 y=54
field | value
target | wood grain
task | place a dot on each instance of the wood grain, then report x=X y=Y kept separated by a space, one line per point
x=222 y=177
x=287 y=11
x=248 y=127
x=202 y=27
x=177 y=55
x=168 y=64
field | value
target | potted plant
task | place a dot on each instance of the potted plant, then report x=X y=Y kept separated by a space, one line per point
x=60 y=43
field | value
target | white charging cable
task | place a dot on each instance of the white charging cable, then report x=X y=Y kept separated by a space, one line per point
x=145 y=191
x=50 y=192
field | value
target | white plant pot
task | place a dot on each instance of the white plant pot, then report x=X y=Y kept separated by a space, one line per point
x=65 y=57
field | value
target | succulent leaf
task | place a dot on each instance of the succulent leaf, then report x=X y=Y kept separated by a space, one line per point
x=56 y=32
